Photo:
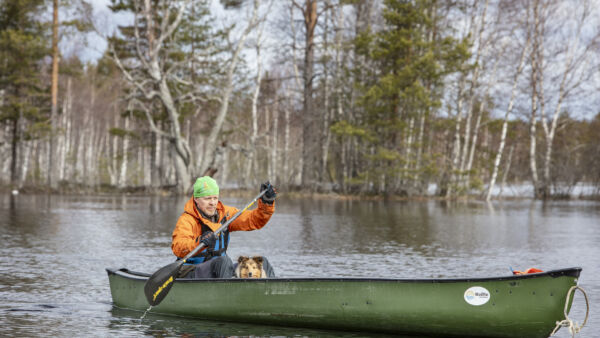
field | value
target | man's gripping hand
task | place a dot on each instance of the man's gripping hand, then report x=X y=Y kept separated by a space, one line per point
x=269 y=196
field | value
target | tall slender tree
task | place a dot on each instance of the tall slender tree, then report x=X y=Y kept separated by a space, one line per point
x=53 y=92
x=22 y=49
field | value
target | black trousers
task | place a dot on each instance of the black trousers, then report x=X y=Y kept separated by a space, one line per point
x=220 y=267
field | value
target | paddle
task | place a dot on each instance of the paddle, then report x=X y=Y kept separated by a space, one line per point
x=158 y=285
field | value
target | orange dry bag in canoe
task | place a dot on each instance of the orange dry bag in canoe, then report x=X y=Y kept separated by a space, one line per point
x=530 y=270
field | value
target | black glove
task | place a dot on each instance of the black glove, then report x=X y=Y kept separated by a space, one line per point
x=271 y=193
x=209 y=239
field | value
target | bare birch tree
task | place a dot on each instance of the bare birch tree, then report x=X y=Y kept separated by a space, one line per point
x=152 y=77
x=572 y=53
x=513 y=93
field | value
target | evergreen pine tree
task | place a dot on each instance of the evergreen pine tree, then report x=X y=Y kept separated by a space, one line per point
x=24 y=43
x=409 y=57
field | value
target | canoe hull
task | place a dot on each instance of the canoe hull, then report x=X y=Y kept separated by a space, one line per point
x=515 y=306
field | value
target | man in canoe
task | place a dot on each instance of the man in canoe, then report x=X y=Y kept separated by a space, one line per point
x=203 y=214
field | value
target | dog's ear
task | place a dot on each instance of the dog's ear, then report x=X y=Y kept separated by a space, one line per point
x=258 y=259
x=242 y=259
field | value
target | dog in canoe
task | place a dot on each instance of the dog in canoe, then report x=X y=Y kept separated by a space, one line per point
x=250 y=267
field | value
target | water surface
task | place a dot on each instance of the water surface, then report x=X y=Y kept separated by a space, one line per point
x=53 y=252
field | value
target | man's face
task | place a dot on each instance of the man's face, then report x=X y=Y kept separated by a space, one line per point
x=207 y=204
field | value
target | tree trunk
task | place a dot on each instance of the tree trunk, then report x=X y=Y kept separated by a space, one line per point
x=121 y=182
x=112 y=160
x=273 y=173
x=536 y=59
x=505 y=123
x=409 y=146
x=327 y=112
x=506 y=170
x=54 y=94
x=456 y=144
x=310 y=126
x=482 y=108
x=286 y=138
x=481 y=47
x=14 y=177
x=250 y=162
x=25 y=158
x=60 y=146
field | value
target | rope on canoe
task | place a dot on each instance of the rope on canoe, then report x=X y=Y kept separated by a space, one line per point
x=574 y=327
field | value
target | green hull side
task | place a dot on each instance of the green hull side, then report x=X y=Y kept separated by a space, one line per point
x=518 y=306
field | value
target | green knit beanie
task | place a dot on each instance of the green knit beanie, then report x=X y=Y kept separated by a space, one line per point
x=205 y=186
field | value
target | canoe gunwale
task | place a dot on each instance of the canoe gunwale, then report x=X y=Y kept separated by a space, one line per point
x=570 y=272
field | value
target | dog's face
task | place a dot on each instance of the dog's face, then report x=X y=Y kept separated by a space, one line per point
x=250 y=267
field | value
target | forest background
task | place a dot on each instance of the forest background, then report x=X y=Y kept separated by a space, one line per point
x=373 y=97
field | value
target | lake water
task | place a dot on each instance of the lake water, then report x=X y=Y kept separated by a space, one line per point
x=53 y=252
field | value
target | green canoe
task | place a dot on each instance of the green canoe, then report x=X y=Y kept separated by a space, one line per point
x=511 y=306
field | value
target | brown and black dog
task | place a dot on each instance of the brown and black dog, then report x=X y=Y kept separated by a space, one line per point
x=250 y=267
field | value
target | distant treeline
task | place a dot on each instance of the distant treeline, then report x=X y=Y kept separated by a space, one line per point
x=357 y=97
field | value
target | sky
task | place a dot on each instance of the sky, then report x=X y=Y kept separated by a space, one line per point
x=106 y=22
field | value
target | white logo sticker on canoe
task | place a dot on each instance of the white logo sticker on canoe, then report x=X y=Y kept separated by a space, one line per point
x=477 y=295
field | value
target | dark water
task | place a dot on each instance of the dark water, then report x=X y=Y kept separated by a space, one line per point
x=53 y=252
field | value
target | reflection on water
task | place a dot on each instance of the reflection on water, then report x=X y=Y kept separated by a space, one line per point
x=53 y=252
x=168 y=326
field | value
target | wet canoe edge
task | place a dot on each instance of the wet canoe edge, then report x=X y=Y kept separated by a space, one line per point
x=566 y=272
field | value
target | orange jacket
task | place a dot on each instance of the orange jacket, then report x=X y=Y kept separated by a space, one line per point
x=188 y=229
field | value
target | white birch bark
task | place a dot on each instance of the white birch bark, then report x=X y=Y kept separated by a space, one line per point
x=113 y=156
x=481 y=48
x=505 y=123
x=25 y=158
x=4 y=150
x=65 y=173
x=409 y=145
x=62 y=135
x=121 y=182
x=79 y=156
x=482 y=108
x=506 y=170
x=286 y=137
x=89 y=159
x=159 y=168
x=456 y=143
x=576 y=70
x=419 y=151
x=536 y=59
x=108 y=145
x=549 y=131
x=147 y=167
